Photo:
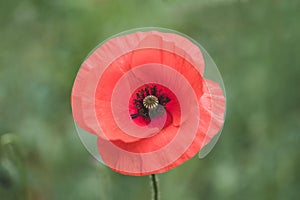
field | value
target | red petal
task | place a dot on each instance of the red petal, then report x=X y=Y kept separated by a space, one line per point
x=91 y=70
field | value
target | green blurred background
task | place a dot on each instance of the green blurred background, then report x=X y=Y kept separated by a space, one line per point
x=256 y=45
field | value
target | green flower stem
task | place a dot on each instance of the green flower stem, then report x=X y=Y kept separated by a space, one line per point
x=155 y=191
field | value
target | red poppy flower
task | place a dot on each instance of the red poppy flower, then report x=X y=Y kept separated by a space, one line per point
x=144 y=96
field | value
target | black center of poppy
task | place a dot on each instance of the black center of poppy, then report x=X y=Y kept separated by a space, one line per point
x=148 y=100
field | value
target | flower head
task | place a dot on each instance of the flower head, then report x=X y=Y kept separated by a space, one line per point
x=144 y=96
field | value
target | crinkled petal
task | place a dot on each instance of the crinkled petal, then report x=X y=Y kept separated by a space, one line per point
x=92 y=69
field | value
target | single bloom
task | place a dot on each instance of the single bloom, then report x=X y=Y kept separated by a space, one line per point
x=145 y=96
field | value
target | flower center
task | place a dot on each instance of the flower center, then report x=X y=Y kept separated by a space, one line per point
x=148 y=100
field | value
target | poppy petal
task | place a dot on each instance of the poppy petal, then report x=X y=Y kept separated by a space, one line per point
x=93 y=67
x=214 y=94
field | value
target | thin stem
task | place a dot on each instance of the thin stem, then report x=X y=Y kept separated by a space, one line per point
x=154 y=182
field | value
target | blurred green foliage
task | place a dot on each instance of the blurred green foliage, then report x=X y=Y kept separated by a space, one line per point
x=255 y=45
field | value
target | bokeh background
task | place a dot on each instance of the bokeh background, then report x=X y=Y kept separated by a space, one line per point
x=256 y=45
